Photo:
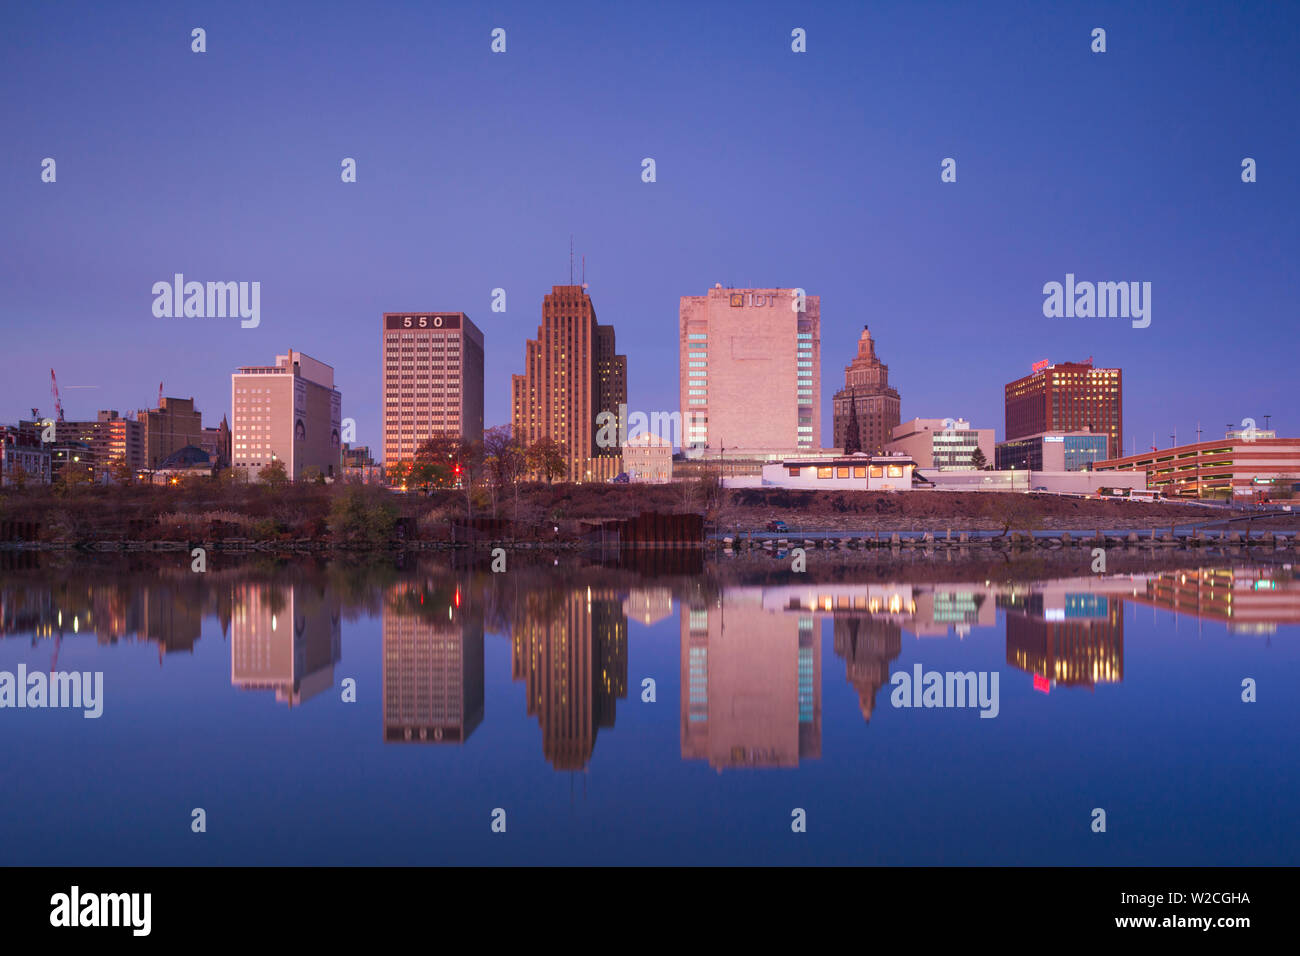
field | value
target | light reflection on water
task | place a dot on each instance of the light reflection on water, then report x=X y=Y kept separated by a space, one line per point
x=531 y=691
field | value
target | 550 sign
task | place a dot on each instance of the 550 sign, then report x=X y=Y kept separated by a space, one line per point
x=426 y=321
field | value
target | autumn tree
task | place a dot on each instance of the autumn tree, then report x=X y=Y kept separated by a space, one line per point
x=274 y=474
x=548 y=458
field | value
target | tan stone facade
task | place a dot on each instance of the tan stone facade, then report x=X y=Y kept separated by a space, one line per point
x=572 y=373
x=867 y=397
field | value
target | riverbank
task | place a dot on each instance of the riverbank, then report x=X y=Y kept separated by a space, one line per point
x=223 y=515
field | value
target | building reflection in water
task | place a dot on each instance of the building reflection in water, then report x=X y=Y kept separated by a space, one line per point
x=648 y=606
x=433 y=663
x=171 y=616
x=569 y=647
x=285 y=638
x=751 y=682
x=166 y=612
x=1248 y=600
x=867 y=645
x=868 y=621
x=1065 y=637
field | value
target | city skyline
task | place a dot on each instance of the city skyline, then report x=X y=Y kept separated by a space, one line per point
x=949 y=275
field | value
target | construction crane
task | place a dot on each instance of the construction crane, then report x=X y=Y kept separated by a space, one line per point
x=58 y=402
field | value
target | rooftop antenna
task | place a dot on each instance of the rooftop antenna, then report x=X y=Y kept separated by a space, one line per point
x=570 y=258
x=584 y=270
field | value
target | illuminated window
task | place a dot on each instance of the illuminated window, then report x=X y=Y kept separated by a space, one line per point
x=877 y=471
x=824 y=472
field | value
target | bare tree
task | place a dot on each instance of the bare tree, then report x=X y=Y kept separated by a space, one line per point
x=505 y=461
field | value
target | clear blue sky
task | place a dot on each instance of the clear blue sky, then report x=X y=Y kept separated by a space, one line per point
x=818 y=170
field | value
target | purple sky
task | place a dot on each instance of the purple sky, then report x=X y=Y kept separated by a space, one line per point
x=818 y=170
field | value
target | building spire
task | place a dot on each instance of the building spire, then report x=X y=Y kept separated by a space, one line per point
x=852 y=434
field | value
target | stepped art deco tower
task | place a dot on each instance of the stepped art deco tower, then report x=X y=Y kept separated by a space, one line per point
x=867 y=401
x=572 y=373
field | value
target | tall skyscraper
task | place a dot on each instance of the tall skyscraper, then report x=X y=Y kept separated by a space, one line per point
x=750 y=372
x=572 y=373
x=868 y=398
x=289 y=411
x=433 y=380
x=1070 y=397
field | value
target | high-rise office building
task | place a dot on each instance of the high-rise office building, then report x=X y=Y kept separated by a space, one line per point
x=572 y=373
x=290 y=412
x=750 y=372
x=1069 y=397
x=866 y=399
x=432 y=380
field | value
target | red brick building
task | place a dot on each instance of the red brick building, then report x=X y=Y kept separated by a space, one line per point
x=1069 y=396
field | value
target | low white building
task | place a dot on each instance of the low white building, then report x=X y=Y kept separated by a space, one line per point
x=647 y=457
x=1056 y=482
x=857 y=472
x=862 y=472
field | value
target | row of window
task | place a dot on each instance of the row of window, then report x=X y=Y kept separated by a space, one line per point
x=854 y=471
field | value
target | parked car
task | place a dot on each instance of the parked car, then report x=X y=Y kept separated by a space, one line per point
x=777 y=526
x=620 y=479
